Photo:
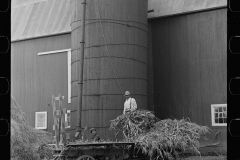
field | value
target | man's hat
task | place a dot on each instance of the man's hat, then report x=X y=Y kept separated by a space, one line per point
x=127 y=93
x=92 y=129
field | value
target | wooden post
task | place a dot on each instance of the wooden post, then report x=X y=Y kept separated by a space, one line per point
x=55 y=126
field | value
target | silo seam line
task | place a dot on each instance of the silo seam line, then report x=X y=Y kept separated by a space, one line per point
x=118 y=20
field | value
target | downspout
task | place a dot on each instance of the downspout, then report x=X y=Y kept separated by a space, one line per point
x=81 y=63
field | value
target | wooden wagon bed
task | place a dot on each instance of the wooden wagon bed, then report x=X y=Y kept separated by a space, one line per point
x=100 y=151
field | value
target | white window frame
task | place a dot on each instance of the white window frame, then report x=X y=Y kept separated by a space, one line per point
x=36 y=120
x=213 y=106
x=68 y=111
x=69 y=67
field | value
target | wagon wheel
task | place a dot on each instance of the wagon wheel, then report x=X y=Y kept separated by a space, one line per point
x=119 y=157
x=85 y=157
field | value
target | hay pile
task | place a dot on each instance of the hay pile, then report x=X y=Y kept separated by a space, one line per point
x=27 y=143
x=133 y=124
x=163 y=139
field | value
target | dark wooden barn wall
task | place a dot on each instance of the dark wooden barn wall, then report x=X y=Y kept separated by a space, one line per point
x=190 y=66
x=36 y=78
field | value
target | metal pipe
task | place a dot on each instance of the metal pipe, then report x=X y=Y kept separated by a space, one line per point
x=81 y=63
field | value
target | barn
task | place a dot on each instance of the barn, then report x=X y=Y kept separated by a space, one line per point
x=173 y=60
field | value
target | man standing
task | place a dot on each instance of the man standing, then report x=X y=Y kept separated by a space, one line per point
x=130 y=103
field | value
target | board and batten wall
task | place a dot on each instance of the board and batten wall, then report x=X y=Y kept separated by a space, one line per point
x=34 y=78
x=189 y=54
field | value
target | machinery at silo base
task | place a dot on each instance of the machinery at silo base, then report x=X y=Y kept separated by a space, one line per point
x=101 y=151
x=83 y=149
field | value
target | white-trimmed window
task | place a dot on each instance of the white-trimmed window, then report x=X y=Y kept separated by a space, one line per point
x=219 y=114
x=41 y=120
x=68 y=119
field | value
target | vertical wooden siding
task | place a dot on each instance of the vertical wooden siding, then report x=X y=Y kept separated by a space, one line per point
x=174 y=7
x=189 y=65
x=36 y=78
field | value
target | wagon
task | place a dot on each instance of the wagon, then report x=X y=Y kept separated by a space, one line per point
x=101 y=151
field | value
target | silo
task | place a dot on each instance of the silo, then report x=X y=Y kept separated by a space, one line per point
x=115 y=46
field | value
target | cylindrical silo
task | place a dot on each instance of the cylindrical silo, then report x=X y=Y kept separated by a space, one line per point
x=116 y=40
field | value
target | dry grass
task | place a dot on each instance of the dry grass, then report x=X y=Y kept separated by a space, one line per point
x=134 y=123
x=27 y=143
x=156 y=138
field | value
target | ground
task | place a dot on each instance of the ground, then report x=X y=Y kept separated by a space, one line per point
x=205 y=158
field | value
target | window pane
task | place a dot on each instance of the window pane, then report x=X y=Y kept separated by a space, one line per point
x=220 y=120
x=220 y=115
x=220 y=109
x=216 y=109
x=224 y=108
x=216 y=115
x=225 y=120
x=216 y=120
x=225 y=114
